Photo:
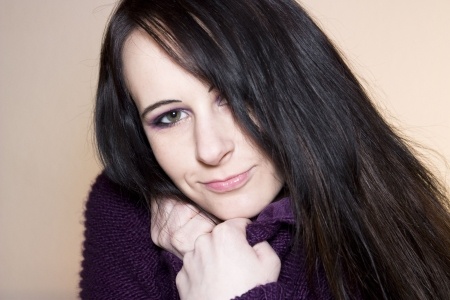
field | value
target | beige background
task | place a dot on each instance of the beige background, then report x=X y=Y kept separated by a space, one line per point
x=48 y=66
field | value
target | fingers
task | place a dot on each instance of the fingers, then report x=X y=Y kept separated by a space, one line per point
x=176 y=225
x=238 y=223
x=160 y=210
x=232 y=228
x=183 y=239
x=223 y=265
x=268 y=258
x=169 y=215
x=263 y=250
x=226 y=237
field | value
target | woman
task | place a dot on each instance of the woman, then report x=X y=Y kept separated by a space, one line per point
x=246 y=111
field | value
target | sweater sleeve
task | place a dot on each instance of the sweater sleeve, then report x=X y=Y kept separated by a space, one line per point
x=270 y=291
x=119 y=259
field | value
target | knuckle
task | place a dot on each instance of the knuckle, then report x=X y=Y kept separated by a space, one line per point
x=179 y=242
x=180 y=278
x=154 y=237
x=187 y=259
x=221 y=228
x=163 y=238
x=274 y=261
x=225 y=230
x=201 y=240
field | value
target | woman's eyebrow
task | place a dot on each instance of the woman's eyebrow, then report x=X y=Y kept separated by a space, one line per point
x=156 y=105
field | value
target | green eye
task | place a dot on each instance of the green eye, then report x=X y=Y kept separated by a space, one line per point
x=173 y=117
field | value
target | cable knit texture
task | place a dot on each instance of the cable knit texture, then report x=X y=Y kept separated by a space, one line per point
x=121 y=262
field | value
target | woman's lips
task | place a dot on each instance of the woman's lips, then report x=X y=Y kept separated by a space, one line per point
x=229 y=184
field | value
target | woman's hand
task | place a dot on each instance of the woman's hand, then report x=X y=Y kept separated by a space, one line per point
x=223 y=265
x=176 y=225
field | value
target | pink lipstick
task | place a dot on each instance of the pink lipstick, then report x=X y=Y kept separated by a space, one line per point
x=228 y=184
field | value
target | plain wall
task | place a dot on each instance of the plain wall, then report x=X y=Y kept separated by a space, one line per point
x=49 y=51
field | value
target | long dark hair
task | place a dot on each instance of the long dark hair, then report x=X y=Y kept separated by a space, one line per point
x=367 y=210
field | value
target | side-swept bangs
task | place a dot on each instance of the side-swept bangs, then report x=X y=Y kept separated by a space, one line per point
x=224 y=44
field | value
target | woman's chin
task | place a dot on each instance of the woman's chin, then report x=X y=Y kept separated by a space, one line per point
x=225 y=215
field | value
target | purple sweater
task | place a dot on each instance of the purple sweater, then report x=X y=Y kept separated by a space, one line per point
x=120 y=260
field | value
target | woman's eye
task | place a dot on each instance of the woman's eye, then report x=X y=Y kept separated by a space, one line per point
x=221 y=101
x=173 y=117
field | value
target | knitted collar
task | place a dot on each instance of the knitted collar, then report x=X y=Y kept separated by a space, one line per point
x=273 y=224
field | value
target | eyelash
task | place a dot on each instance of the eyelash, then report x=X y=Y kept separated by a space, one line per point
x=221 y=101
x=158 y=122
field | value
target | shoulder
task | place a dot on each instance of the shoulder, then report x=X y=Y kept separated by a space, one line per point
x=117 y=250
x=114 y=216
x=113 y=213
x=109 y=200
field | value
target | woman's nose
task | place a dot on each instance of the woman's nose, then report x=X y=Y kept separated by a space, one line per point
x=214 y=141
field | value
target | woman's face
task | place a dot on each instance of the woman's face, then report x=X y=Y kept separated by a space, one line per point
x=194 y=137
